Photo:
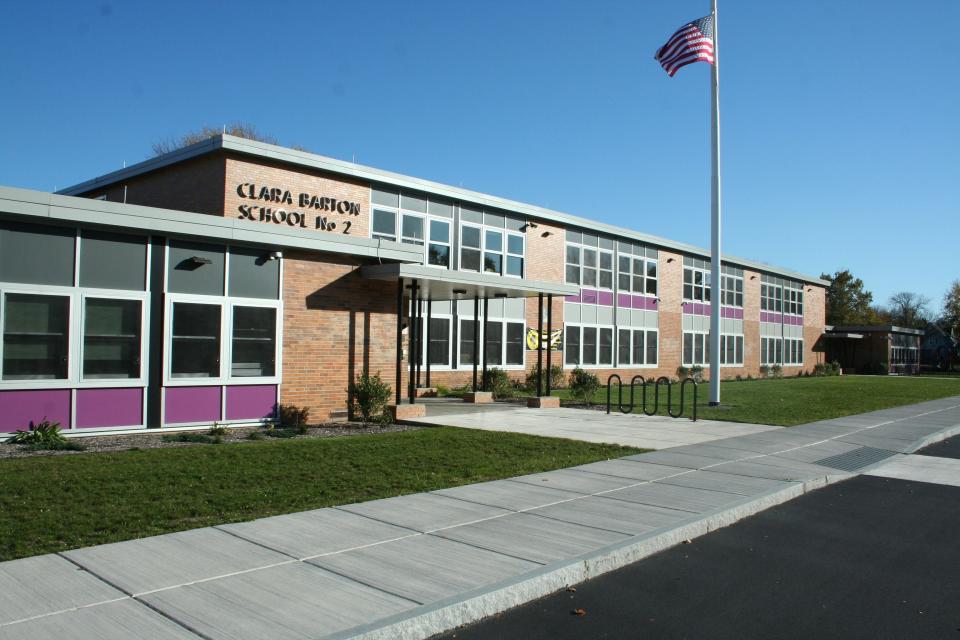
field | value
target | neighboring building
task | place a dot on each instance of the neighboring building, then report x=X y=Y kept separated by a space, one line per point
x=214 y=281
x=940 y=351
x=875 y=350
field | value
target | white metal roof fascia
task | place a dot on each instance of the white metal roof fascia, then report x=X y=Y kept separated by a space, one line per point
x=513 y=287
x=371 y=174
x=38 y=204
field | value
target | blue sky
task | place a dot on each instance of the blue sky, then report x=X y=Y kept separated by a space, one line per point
x=840 y=129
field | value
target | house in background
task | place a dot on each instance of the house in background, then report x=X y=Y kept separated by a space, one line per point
x=886 y=349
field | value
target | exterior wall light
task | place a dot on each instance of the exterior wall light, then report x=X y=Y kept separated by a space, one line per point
x=197 y=261
x=459 y=292
x=274 y=255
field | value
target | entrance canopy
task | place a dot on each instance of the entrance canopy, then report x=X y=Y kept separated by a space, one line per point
x=443 y=284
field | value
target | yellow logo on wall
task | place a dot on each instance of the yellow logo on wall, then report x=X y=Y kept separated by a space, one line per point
x=533 y=339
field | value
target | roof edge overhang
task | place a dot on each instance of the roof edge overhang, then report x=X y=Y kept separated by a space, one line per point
x=379 y=176
x=38 y=206
x=443 y=284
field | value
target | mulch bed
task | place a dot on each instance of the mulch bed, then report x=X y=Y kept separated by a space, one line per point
x=153 y=439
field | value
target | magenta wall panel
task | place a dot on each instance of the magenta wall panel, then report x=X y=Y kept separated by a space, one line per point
x=624 y=300
x=605 y=298
x=191 y=404
x=251 y=402
x=588 y=296
x=18 y=408
x=575 y=298
x=109 y=408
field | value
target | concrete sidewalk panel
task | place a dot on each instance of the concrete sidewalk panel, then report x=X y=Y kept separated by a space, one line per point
x=930 y=469
x=425 y=568
x=712 y=450
x=139 y=566
x=613 y=515
x=633 y=468
x=537 y=539
x=718 y=481
x=45 y=584
x=675 y=497
x=677 y=458
x=423 y=511
x=317 y=532
x=776 y=469
x=582 y=482
x=290 y=602
x=515 y=496
x=121 y=620
x=819 y=451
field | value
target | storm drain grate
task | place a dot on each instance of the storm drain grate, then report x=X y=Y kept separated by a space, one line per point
x=856 y=459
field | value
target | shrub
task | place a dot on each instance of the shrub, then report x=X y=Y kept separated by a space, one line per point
x=293 y=416
x=455 y=392
x=42 y=433
x=498 y=382
x=683 y=372
x=820 y=369
x=285 y=432
x=199 y=438
x=583 y=385
x=557 y=378
x=833 y=368
x=776 y=371
x=764 y=371
x=369 y=396
x=255 y=435
x=696 y=372
x=217 y=430
x=442 y=390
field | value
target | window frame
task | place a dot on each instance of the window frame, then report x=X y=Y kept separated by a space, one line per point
x=705 y=285
x=644 y=332
x=598 y=327
x=456 y=352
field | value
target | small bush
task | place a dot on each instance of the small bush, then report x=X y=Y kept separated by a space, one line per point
x=217 y=430
x=66 y=445
x=198 y=438
x=833 y=368
x=292 y=416
x=557 y=378
x=583 y=385
x=369 y=396
x=498 y=382
x=454 y=392
x=696 y=372
x=820 y=369
x=255 y=435
x=285 y=432
x=764 y=371
x=776 y=371
x=42 y=433
x=442 y=390
x=683 y=372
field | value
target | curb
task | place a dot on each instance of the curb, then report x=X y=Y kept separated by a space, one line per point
x=466 y=608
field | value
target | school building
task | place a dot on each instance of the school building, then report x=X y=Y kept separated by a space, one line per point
x=210 y=283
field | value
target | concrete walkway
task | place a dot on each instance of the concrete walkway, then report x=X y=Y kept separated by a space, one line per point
x=415 y=565
x=635 y=430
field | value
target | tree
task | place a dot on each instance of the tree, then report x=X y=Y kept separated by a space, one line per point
x=950 y=319
x=238 y=129
x=848 y=303
x=908 y=309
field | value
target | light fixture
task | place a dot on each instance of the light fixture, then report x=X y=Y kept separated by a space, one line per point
x=199 y=260
x=546 y=234
x=753 y=277
x=274 y=255
x=459 y=292
x=529 y=224
x=499 y=295
x=669 y=259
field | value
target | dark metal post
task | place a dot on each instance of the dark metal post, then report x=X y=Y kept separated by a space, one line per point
x=412 y=344
x=549 y=336
x=399 y=338
x=476 y=338
x=419 y=339
x=540 y=344
x=484 y=379
x=427 y=350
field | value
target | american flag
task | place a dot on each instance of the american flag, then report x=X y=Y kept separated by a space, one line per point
x=691 y=43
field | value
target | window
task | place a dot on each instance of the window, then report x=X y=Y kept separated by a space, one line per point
x=254 y=342
x=605 y=355
x=606 y=270
x=438 y=351
x=35 y=337
x=515 y=253
x=470 y=248
x=514 y=347
x=412 y=231
x=438 y=253
x=636 y=347
x=623 y=348
x=731 y=350
x=696 y=348
x=195 y=341
x=589 y=270
x=731 y=287
x=573 y=264
x=467 y=341
x=784 y=351
x=494 y=343
x=493 y=252
x=589 y=345
x=623 y=274
x=651 y=277
x=572 y=350
x=696 y=284
x=111 y=338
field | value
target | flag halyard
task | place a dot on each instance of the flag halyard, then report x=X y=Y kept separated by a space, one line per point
x=693 y=42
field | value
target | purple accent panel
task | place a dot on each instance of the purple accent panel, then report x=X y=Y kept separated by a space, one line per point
x=605 y=298
x=18 y=408
x=251 y=402
x=624 y=300
x=109 y=407
x=572 y=299
x=731 y=312
x=588 y=296
x=191 y=404
x=638 y=302
x=688 y=307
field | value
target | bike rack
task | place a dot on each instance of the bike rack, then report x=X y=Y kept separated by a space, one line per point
x=644 y=383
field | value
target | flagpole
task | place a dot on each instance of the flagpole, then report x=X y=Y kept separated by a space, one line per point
x=715 y=277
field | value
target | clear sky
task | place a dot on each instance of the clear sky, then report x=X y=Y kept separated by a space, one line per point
x=840 y=119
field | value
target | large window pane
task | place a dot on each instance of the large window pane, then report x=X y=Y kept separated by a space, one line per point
x=195 y=268
x=688 y=348
x=515 y=266
x=35 y=337
x=439 y=348
x=254 y=342
x=606 y=346
x=195 y=348
x=515 y=244
x=412 y=232
x=470 y=256
x=36 y=254
x=638 y=347
x=514 y=343
x=252 y=275
x=113 y=261
x=111 y=338
x=623 y=347
x=493 y=252
x=589 y=345
x=384 y=224
x=494 y=342
x=466 y=341
x=573 y=345
x=651 y=347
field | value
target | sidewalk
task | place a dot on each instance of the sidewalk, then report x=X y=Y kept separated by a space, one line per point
x=417 y=565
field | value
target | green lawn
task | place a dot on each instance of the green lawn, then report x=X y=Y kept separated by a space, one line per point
x=54 y=503
x=792 y=401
